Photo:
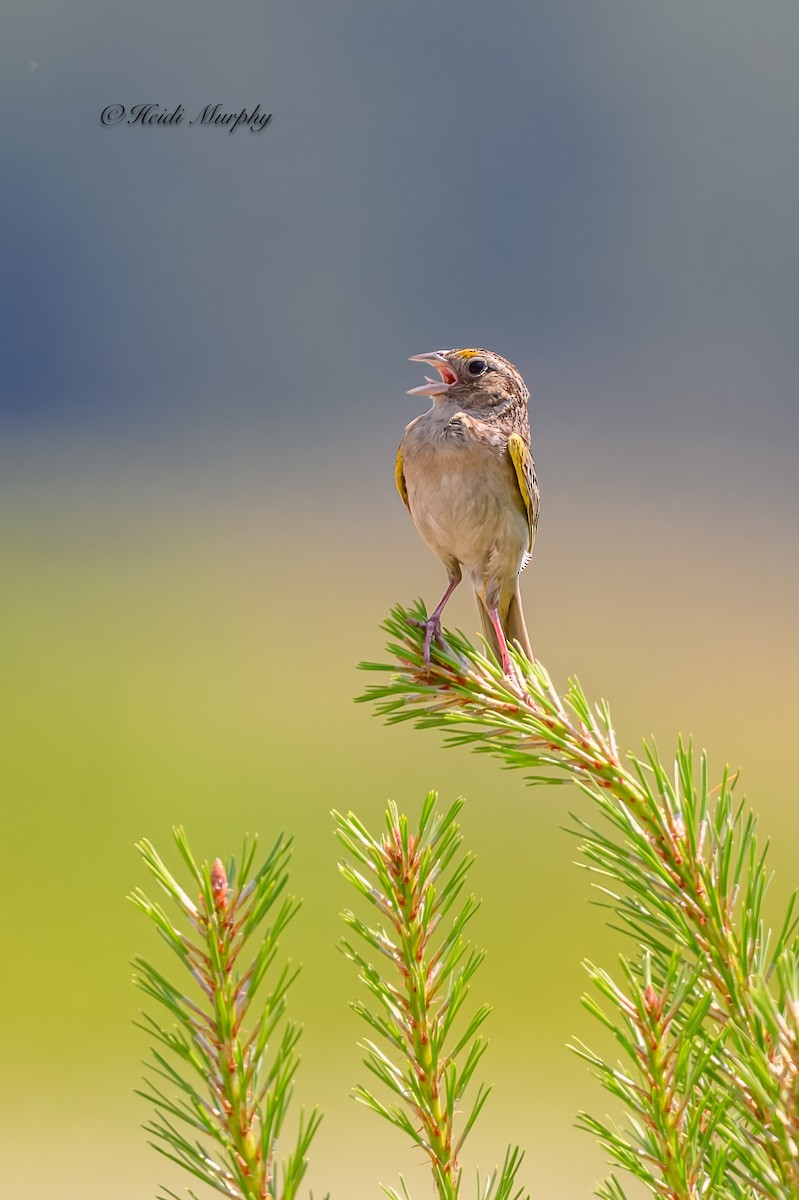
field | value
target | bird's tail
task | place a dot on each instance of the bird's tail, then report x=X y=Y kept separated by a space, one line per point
x=513 y=626
x=488 y=629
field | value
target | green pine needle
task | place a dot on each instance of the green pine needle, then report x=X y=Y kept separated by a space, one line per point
x=705 y=1012
x=416 y=969
x=228 y=1071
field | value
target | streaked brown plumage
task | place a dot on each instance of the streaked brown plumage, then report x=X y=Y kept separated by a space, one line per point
x=466 y=474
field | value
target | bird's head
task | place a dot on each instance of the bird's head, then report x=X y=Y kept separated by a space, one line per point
x=476 y=380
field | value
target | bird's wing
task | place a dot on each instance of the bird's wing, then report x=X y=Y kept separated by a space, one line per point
x=399 y=476
x=524 y=467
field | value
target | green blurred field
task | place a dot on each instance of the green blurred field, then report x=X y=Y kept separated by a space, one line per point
x=180 y=634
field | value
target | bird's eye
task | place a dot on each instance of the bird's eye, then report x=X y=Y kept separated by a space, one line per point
x=477 y=366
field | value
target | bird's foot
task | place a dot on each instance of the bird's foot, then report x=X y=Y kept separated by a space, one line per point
x=432 y=629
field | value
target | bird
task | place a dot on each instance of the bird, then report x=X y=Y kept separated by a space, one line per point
x=465 y=472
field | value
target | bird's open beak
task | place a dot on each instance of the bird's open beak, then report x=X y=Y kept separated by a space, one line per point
x=434 y=387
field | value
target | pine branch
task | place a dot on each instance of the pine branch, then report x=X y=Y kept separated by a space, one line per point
x=707 y=1015
x=418 y=989
x=221 y=1078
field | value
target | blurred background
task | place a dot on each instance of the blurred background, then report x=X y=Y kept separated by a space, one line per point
x=203 y=386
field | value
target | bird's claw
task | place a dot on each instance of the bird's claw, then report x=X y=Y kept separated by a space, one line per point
x=432 y=629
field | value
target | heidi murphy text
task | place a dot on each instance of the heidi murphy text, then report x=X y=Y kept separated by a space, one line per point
x=213 y=114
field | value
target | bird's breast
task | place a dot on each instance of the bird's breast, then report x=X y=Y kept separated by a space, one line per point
x=462 y=493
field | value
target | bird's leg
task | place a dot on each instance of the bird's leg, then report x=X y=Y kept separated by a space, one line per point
x=493 y=614
x=432 y=626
